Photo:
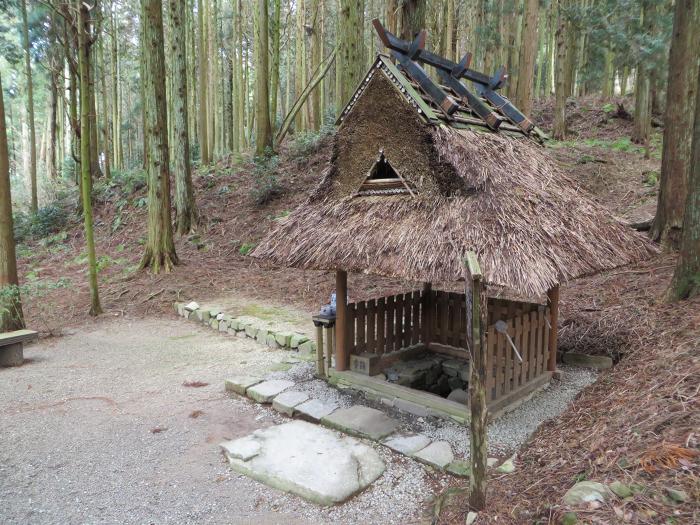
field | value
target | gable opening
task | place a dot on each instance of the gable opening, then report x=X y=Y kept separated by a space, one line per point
x=384 y=179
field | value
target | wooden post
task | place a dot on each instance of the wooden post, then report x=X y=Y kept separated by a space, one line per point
x=427 y=311
x=329 y=350
x=341 y=318
x=320 y=371
x=477 y=320
x=553 y=296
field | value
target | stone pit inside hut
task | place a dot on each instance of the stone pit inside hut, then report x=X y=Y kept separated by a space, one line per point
x=441 y=375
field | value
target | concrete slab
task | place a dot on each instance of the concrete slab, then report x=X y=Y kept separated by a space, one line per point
x=314 y=410
x=362 y=421
x=265 y=392
x=437 y=454
x=244 y=449
x=286 y=401
x=310 y=461
x=239 y=384
x=407 y=443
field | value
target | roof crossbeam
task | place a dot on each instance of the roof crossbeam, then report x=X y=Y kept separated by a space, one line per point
x=407 y=61
x=450 y=72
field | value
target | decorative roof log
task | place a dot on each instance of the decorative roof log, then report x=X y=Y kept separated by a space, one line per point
x=394 y=43
x=474 y=102
x=508 y=109
x=451 y=72
x=441 y=99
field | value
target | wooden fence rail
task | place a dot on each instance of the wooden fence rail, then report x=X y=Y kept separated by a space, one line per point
x=388 y=324
x=384 y=325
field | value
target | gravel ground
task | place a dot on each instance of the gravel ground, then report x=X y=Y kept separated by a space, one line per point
x=505 y=435
x=99 y=427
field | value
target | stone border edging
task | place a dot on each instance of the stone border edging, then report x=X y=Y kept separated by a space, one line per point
x=247 y=326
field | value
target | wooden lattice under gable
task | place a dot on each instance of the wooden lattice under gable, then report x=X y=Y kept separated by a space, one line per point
x=384 y=179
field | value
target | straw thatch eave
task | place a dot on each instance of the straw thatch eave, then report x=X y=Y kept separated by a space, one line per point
x=529 y=226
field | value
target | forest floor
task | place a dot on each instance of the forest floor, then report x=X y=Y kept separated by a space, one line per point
x=620 y=313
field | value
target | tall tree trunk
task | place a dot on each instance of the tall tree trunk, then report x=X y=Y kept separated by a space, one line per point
x=263 y=131
x=681 y=94
x=392 y=18
x=450 y=36
x=184 y=194
x=642 y=90
x=412 y=18
x=608 y=74
x=74 y=122
x=95 y=170
x=106 y=142
x=213 y=73
x=349 y=63
x=11 y=316
x=316 y=52
x=275 y=60
x=117 y=150
x=160 y=248
x=528 y=49
x=562 y=66
x=203 y=81
x=85 y=157
x=686 y=278
x=241 y=80
x=53 y=114
x=30 y=108
x=300 y=123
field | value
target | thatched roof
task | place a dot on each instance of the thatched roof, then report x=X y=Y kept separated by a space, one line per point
x=496 y=194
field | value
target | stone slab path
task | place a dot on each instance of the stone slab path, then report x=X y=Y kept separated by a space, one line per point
x=357 y=420
x=311 y=461
x=362 y=421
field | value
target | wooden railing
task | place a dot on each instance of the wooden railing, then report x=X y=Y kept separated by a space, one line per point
x=505 y=373
x=384 y=325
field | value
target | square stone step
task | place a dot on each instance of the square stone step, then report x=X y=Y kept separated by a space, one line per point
x=313 y=410
x=287 y=401
x=407 y=444
x=266 y=391
x=362 y=421
x=438 y=454
x=239 y=384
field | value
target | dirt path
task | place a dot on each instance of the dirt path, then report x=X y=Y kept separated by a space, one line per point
x=98 y=427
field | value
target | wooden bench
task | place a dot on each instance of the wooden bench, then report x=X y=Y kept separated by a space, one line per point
x=12 y=346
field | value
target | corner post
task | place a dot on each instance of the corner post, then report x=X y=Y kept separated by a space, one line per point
x=553 y=297
x=320 y=369
x=476 y=337
x=341 y=301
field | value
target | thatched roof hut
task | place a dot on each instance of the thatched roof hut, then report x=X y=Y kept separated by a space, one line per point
x=419 y=175
x=457 y=186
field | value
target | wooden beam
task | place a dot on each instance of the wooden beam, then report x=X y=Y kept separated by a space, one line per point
x=394 y=43
x=492 y=120
x=553 y=297
x=341 y=316
x=504 y=105
x=477 y=316
x=445 y=102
